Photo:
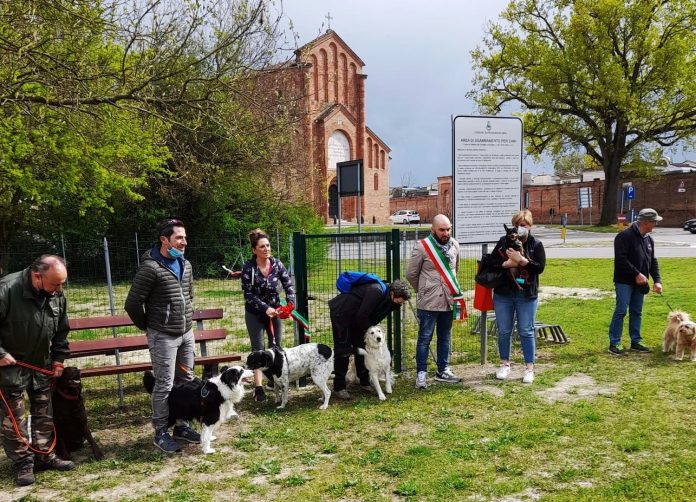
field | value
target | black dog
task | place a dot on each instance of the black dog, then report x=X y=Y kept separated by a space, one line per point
x=512 y=241
x=211 y=402
x=70 y=416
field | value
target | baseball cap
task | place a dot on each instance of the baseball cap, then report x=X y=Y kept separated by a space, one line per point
x=649 y=214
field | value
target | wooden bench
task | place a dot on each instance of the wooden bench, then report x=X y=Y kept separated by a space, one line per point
x=115 y=345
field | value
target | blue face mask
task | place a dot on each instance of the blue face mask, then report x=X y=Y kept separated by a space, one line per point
x=175 y=253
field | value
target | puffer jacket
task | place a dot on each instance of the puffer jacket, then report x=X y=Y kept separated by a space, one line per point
x=158 y=299
x=33 y=329
x=432 y=292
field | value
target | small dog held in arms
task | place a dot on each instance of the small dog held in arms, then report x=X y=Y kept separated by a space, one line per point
x=285 y=366
x=70 y=416
x=211 y=402
x=377 y=360
x=512 y=241
x=674 y=320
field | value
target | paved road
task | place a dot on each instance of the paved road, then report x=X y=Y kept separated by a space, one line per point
x=669 y=242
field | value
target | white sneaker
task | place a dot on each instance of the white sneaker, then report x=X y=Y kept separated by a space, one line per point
x=503 y=372
x=420 y=380
x=528 y=376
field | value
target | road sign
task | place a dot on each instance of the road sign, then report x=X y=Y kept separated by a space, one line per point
x=682 y=187
x=630 y=193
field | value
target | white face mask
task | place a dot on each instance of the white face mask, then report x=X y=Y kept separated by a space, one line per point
x=522 y=232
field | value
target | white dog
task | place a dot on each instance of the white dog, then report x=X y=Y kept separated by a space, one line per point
x=377 y=360
x=288 y=365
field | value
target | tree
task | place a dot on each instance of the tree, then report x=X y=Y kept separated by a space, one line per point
x=102 y=100
x=572 y=164
x=606 y=76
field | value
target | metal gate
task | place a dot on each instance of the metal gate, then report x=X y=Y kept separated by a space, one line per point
x=318 y=259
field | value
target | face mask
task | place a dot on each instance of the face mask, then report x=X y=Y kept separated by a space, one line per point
x=175 y=253
x=522 y=232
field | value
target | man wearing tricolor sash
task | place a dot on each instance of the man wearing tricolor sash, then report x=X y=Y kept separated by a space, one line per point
x=432 y=271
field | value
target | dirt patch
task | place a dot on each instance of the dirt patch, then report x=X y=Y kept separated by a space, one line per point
x=552 y=292
x=576 y=387
x=481 y=378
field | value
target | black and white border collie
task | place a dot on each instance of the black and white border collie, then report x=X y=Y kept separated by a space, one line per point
x=211 y=402
x=285 y=366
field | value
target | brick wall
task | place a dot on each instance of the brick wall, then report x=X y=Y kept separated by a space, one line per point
x=661 y=194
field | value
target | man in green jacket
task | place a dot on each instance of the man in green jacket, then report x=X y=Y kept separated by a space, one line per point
x=160 y=301
x=33 y=330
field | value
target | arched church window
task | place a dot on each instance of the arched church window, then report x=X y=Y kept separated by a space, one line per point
x=338 y=149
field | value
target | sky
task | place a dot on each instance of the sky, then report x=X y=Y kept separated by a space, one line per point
x=417 y=60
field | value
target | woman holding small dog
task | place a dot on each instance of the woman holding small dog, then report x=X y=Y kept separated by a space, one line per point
x=517 y=297
x=261 y=276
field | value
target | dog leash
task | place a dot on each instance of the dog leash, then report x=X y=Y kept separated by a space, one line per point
x=15 y=425
x=665 y=299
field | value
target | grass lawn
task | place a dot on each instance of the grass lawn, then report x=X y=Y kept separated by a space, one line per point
x=591 y=427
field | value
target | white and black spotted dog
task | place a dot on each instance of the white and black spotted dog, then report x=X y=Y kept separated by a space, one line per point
x=285 y=366
x=377 y=360
x=210 y=402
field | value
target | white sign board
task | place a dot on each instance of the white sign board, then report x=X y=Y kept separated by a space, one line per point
x=486 y=176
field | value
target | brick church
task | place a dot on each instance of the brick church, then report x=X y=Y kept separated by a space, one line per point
x=328 y=80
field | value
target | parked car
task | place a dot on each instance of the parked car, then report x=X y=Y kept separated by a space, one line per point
x=405 y=216
x=689 y=224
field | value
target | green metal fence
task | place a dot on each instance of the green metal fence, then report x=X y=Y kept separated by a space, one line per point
x=318 y=259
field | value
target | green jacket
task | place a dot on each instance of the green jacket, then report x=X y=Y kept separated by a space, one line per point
x=33 y=329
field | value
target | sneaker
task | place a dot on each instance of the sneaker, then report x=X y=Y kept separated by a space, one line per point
x=164 y=442
x=420 y=380
x=638 y=347
x=24 y=474
x=186 y=433
x=617 y=350
x=446 y=375
x=259 y=394
x=503 y=372
x=342 y=394
x=367 y=388
x=528 y=376
x=55 y=463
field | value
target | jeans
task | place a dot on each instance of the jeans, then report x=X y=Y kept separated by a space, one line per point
x=172 y=359
x=507 y=308
x=427 y=320
x=628 y=297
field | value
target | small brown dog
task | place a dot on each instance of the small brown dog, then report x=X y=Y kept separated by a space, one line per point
x=674 y=319
x=686 y=338
x=70 y=416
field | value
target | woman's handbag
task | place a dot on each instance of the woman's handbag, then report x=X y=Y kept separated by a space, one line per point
x=488 y=276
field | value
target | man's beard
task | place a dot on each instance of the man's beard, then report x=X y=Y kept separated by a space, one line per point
x=442 y=241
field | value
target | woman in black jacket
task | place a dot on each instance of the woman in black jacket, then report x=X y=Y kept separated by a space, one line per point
x=262 y=275
x=516 y=298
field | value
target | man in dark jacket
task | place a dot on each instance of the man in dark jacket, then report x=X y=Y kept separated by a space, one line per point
x=160 y=301
x=634 y=262
x=33 y=330
x=352 y=314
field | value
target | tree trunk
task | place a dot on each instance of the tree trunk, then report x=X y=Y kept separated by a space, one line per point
x=612 y=166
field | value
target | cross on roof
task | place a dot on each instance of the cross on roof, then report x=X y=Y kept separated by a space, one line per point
x=329 y=18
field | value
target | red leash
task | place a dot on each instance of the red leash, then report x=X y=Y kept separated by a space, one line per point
x=15 y=425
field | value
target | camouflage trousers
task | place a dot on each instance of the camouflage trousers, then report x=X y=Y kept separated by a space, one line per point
x=41 y=424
